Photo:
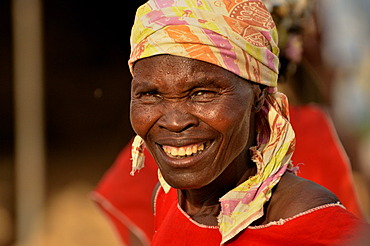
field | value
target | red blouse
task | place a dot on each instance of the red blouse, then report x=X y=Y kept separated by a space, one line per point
x=325 y=225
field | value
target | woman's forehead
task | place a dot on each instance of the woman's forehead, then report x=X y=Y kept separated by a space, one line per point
x=174 y=62
x=168 y=72
x=170 y=65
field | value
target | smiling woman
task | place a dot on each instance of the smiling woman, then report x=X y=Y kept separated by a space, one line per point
x=204 y=102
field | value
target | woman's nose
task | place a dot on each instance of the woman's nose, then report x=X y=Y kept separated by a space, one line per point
x=176 y=120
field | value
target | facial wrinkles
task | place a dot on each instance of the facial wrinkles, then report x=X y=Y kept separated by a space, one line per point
x=222 y=121
x=233 y=141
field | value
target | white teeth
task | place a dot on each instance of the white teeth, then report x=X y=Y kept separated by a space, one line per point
x=189 y=150
x=172 y=151
x=195 y=149
x=183 y=151
x=201 y=147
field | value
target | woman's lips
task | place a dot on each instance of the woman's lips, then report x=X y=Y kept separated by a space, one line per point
x=183 y=151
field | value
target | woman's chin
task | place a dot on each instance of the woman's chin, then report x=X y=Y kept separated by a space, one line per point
x=186 y=181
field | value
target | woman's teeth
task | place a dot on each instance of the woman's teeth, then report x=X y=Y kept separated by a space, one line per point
x=183 y=151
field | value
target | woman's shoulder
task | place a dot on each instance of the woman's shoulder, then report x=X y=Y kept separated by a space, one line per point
x=294 y=195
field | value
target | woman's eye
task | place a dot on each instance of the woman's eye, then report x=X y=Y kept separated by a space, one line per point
x=150 y=93
x=204 y=96
x=150 y=96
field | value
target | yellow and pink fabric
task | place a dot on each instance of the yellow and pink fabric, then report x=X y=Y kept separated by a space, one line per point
x=241 y=37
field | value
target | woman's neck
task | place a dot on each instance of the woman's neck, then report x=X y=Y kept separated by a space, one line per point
x=203 y=204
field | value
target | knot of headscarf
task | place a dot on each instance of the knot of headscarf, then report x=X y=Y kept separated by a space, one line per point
x=239 y=36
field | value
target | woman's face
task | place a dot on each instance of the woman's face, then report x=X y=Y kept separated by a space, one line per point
x=195 y=117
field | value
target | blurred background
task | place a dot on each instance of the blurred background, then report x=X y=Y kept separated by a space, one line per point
x=64 y=107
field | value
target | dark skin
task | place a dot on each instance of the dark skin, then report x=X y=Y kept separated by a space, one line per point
x=180 y=104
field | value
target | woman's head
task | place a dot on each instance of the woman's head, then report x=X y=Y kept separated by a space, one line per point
x=196 y=118
x=178 y=45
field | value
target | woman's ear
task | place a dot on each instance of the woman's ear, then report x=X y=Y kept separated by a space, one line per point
x=260 y=93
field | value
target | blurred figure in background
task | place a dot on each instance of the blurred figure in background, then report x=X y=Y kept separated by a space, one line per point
x=325 y=60
x=309 y=81
x=345 y=48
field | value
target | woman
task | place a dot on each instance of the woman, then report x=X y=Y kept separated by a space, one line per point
x=205 y=103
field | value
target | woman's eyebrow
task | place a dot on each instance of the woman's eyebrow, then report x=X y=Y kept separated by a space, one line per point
x=209 y=81
x=143 y=84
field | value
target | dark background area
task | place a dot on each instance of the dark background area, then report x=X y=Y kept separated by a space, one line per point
x=86 y=91
x=87 y=80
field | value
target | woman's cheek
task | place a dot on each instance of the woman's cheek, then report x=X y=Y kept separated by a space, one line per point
x=137 y=118
x=222 y=115
x=142 y=118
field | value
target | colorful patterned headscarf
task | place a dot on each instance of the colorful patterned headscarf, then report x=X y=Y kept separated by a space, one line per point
x=238 y=36
x=241 y=37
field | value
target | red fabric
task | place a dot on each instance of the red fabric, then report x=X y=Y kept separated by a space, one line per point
x=126 y=199
x=173 y=228
x=326 y=226
x=324 y=162
x=321 y=154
